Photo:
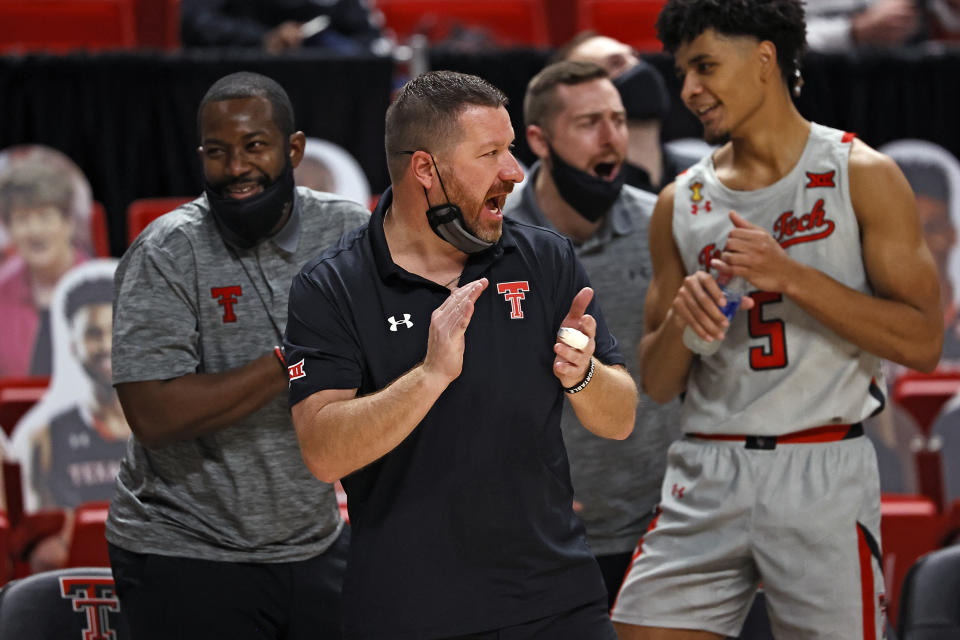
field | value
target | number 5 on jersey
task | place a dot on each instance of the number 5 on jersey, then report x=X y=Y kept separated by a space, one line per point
x=773 y=355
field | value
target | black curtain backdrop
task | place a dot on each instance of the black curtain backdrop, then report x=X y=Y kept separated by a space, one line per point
x=128 y=119
x=881 y=96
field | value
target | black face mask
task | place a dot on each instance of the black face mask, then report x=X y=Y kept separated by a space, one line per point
x=447 y=221
x=246 y=222
x=643 y=92
x=589 y=195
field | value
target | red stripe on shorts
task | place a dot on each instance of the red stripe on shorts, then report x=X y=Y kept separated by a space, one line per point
x=636 y=555
x=866 y=586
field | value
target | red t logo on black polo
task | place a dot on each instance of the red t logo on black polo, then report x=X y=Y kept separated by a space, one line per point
x=228 y=297
x=513 y=293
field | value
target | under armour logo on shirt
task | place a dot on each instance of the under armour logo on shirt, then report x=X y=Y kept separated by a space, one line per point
x=394 y=323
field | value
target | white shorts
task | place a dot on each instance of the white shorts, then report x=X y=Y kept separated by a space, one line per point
x=803 y=519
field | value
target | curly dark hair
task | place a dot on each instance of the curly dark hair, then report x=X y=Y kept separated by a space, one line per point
x=782 y=22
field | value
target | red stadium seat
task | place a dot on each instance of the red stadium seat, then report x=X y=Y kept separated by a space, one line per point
x=88 y=546
x=630 y=21
x=142 y=212
x=158 y=24
x=17 y=395
x=910 y=526
x=64 y=25
x=509 y=22
x=923 y=396
x=6 y=566
x=98 y=231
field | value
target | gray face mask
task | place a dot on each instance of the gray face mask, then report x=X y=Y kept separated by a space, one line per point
x=589 y=195
x=447 y=221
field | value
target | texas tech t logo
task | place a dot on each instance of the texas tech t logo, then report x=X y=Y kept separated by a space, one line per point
x=513 y=293
x=94 y=596
x=228 y=297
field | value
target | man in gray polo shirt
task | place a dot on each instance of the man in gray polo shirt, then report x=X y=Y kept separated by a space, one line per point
x=217 y=528
x=576 y=125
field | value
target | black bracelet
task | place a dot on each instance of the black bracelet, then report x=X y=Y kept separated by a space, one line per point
x=583 y=383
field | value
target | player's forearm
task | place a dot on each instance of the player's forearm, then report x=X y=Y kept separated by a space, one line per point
x=664 y=361
x=910 y=334
x=341 y=436
x=161 y=412
x=607 y=405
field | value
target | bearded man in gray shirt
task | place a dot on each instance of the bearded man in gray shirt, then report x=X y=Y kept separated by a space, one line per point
x=217 y=528
x=576 y=125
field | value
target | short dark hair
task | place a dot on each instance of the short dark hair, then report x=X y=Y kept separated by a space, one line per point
x=246 y=84
x=539 y=105
x=32 y=184
x=425 y=112
x=782 y=22
x=91 y=291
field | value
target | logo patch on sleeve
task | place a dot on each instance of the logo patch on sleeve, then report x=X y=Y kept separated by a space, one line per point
x=296 y=371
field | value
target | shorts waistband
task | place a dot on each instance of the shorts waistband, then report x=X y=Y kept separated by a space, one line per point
x=828 y=433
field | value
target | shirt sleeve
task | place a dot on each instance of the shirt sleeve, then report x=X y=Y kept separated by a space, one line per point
x=155 y=327
x=574 y=279
x=322 y=347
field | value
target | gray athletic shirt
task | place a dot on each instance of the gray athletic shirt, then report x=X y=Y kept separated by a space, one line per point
x=616 y=482
x=188 y=303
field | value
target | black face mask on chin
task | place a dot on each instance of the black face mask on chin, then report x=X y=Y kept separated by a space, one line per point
x=244 y=223
x=589 y=195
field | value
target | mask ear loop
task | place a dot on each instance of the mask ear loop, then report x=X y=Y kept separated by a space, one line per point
x=434 y=160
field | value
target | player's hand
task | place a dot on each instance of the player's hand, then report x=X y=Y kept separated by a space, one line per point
x=284 y=37
x=753 y=254
x=697 y=305
x=570 y=365
x=448 y=324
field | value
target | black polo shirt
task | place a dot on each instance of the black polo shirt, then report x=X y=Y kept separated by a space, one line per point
x=468 y=524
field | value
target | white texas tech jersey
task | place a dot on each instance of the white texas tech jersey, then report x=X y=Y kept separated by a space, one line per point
x=779 y=370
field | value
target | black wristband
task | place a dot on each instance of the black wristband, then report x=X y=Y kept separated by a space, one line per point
x=583 y=383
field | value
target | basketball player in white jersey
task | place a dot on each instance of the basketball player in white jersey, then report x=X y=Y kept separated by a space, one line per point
x=772 y=481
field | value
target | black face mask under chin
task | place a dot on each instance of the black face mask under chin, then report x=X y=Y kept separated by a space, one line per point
x=447 y=221
x=589 y=195
x=246 y=222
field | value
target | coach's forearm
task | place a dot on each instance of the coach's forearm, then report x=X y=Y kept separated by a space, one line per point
x=340 y=433
x=607 y=405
